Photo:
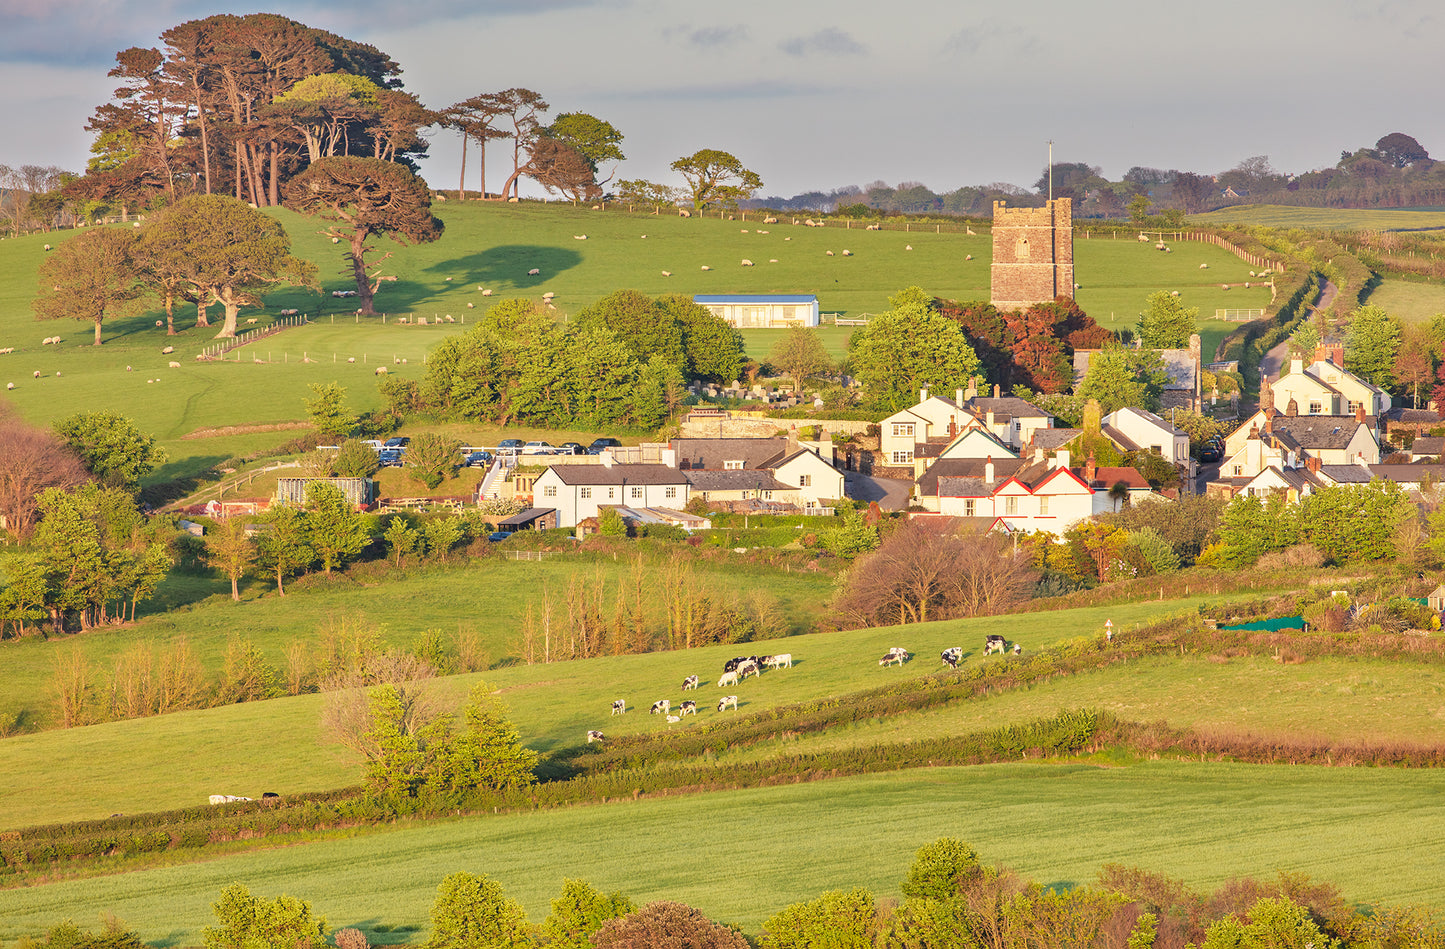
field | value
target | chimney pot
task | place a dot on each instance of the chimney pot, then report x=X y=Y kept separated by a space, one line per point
x=995 y=391
x=1062 y=457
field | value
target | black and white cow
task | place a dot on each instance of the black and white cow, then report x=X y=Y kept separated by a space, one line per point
x=727 y=700
x=689 y=683
x=661 y=705
x=994 y=644
x=594 y=735
x=896 y=654
x=619 y=707
x=688 y=707
x=1018 y=649
x=951 y=656
x=736 y=661
x=749 y=667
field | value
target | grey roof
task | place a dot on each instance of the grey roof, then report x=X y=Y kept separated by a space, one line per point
x=1347 y=474
x=964 y=468
x=1118 y=438
x=1050 y=439
x=1182 y=369
x=1412 y=416
x=619 y=474
x=1318 y=432
x=744 y=480
x=714 y=452
x=526 y=517
x=1428 y=445
x=1006 y=407
x=955 y=487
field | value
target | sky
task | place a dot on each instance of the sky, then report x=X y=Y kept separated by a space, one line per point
x=815 y=95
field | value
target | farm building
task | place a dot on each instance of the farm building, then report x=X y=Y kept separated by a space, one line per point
x=763 y=310
x=359 y=491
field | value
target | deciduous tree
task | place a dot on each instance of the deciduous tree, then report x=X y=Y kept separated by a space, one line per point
x=283 y=547
x=111 y=447
x=1120 y=377
x=337 y=529
x=1372 y=342
x=907 y=348
x=91 y=278
x=229 y=549
x=365 y=198
x=1166 y=323
x=596 y=139
x=246 y=921
x=579 y=911
x=472 y=912
x=667 y=925
x=800 y=355
x=716 y=177
x=31 y=460
x=431 y=458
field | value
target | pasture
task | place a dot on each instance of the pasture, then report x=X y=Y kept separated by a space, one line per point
x=264 y=383
x=1334 y=219
x=278 y=745
x=1411 y=302
x=740 y=856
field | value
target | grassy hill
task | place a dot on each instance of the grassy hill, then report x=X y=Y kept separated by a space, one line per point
x=494 y=246
x=1336 y=219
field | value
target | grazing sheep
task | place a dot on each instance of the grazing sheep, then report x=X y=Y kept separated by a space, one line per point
x=380 y=370
x=251 y=321
x=57 y=373
x=1206 y=267
x=772 y=260
x=764 y=232
x=744 y=230
x=847 y=253
x=596 y=207
x=770 y=220
x=287 y=313
x=579 y=237
x=127 y=369
x=471 y=306
x=706 y=267
x=874 y=227
x=37 y=373
x=548 y=295
x=160 y=323
x=747 y=263
x=907 y=246
x=644 y=237
x=486 y=293
x=968 y=257
x=348 y=359
x=173 y=364
x=684 y=212
x=9 y=385
x=667 y=273
x=673 y=719
x=449 y=280
x=149 y=381
x=533 y=272
x=168 y=350
x=1174 y=293
x=47 y=246
x=829 y=253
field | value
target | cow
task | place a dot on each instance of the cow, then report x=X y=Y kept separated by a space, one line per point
x=1018 y=649
x=994 y=644
x=727 y=700
x=736 y=661
x=688 y=708
x=780 y=661
x=661 y=705
x=227 y=798
x=749 y=668
x=951 y=656
x=595 y=735
x=728 y=678
x=896 y=654
x=689 y=683
x=619 y=707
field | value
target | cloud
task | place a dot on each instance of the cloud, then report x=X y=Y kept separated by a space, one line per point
x=989 y=36
x=709 y=37
x=756 y=89
x=828 y=42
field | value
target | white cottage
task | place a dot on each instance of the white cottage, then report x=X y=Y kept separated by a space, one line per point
x=580 y=491
x=762 y=310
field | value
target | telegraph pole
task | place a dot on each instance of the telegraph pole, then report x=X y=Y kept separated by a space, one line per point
x=1051 y=169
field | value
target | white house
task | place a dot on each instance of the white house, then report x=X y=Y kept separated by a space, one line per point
x=579 y=491
x=1323 y=388
x=762 y=310
x=1135 y=429
x=1045 y=495
x=937 y=421
x=817 y=482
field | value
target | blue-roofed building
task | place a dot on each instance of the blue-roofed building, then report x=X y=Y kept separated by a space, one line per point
x=762 y=310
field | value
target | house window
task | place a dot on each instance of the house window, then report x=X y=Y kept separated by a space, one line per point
x=1157 y=449
x=550 y=491
x=637 y=492
x=970 y=507
x=903 y=457
x=1354 y=407
x=670 y=493
x=767 y=495
x=611 y=493
x=1317 y=408
x=586 y=493
x=732 y=466
x=1010 y=505
x=1238 y=470
x=805 y=481
x=903 y=429
x=1044 y=506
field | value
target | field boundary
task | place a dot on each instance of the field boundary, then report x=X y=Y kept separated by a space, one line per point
x=218 y=350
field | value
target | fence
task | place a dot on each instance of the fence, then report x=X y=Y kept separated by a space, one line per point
x=535 y=555
x=1239 y=316
x=218 y=350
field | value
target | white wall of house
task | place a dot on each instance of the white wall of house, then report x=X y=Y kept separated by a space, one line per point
x=816 y=480
x=1356 y=391
x=1151 y=432
x=1055 y=505
x=577 y=502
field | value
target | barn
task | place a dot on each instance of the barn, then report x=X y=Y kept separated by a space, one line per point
x=763 y=310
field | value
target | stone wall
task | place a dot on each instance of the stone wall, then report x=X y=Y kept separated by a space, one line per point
x=1033 y=254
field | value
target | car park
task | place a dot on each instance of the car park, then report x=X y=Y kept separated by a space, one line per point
x=509 y=446
x=478 y=459
x=599 y=444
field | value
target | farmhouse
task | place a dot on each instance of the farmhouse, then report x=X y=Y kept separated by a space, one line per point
x=1324 y=388
x=762 y=310
x=580 y=491
x=931 y=428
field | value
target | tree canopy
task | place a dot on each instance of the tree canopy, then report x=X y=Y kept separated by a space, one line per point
x=910 y=347
x=111 y=447
x=90 y=278
x=1120 y=377
x=1166 y=323
x=1372 y=343
x=716 y=177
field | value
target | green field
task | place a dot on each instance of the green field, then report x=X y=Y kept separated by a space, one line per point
x=1335 y=219
x=1411 y=302
x=741 y=856
x=493 y=246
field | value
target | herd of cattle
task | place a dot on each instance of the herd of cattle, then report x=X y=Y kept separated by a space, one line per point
x=738 y=668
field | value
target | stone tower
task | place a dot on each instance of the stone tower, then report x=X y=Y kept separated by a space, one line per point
x=1033 y=254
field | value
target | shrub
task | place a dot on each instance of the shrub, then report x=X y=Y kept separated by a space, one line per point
x=470 y=912
x=1300 y=555
x=938 y=869
x=667 y=925
x=578 y=912
x=838 y=920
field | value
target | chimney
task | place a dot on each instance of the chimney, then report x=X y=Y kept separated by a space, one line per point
x=1313 y=464
x=1266 y=394
x=1269 y=422
x=995 y=391
x=1296 y=367
x=972 y=392
x=1062 y=458
x=606 y=458
x=988 y=470
x=923 y=395
x=952 y=426
x=958 y=397
x=1091 y=469
x=1292 y=408
x=988 y=418
x=1038 y=455
x=1360 y=413
x=669 y=457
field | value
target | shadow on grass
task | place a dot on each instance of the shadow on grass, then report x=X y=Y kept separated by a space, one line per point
x=177 y=479
x=510 y=263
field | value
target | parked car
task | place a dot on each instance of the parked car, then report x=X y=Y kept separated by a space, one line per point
x=479 y=459
x=509 y=446
x=375 y=444
x=495 y=536
x=1213 y=450
x=571 y=448
x=598 y=444
x=389 y=458
x=399 y=442
x=538 y=448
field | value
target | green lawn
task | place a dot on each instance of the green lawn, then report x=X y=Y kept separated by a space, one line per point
x=1411 y=302
x=1337 y=219
x=741 y=856
x=274 y=746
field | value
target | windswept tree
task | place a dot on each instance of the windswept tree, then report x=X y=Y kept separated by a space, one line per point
x=365 y=198
x=92 y=277
x=716 y=177
x=557 y=166
x=596 y=139
x=227 y=251
x=522 y=110
x=476 y=119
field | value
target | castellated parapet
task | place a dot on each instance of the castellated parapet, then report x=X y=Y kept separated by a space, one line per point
x=1033 y=254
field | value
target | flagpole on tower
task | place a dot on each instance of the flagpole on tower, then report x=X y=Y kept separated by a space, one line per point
x=1051 y=169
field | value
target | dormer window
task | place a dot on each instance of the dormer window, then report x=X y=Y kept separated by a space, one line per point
x=732 y=466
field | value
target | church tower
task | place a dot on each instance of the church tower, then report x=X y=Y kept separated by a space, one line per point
x=1033 y=254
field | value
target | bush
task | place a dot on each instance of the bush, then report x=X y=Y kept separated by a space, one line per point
x=667 y=925
x=1300 y=555
x=938 y=869
x=837 y=920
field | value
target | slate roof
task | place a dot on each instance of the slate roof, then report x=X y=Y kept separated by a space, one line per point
x=1428 y=445
x=711 y=453
x=1318 y=432
x=1052 y=439
x=964 y=468
x=1118 y=438
x=619 y=474
x=1005 y=408
x=744 y=480
x=794 y=298
x=1412 y=416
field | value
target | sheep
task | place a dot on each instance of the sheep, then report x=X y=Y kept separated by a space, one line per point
x=744 y=230
x=644 y=237
x=159 y=324
x=747 y=263
x=47 y=246
x=770 y=220
x=847 y=253
x=907 y=246
x=533 y=272
x=829 y=253
x=874 y=227
x=772 y=260
x=684 y=212
x=57 y=373
x=471 y=306
x=579 y=237
x=667 y=273
x=37 y=373
x=449 y=280
x=548 y=295
x=706 y=267
x=1174 y=293
x=9 y=385
x=251 y=321
x=173 y=364
x=1206 y=267
x=348 y=359
x=967 y=256
x=486 y=293
x=127 y=369
x=380 y=370
x=149 y=381
x=765 y=232
x=597 y=207
x=168 y=350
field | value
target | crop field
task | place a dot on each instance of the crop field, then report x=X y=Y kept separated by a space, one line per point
x=1335 y=219
x=278 y=745
x=741 y=856
x=493 y=246
x=1411 y=302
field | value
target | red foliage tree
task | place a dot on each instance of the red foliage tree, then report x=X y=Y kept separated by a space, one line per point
x=31 y=460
